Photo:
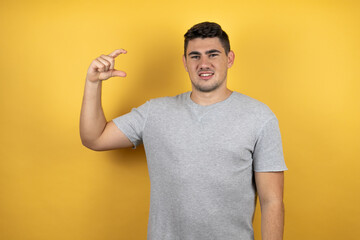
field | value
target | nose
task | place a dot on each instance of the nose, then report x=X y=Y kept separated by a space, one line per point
x=204 y=62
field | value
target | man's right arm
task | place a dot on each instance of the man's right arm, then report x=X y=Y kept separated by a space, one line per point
x=95 y=132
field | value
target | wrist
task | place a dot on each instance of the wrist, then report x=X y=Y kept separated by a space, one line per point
x=93 y=83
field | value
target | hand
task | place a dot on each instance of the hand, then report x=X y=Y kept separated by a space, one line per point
x=102 y=68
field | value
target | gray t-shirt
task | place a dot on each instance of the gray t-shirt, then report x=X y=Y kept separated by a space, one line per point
x=201 y=162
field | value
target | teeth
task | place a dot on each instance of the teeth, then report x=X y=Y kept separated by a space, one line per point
x=205 y=74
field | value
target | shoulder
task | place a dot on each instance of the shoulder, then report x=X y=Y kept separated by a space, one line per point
x=252 y=107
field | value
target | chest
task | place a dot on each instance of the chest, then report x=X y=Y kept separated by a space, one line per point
x=207 y=133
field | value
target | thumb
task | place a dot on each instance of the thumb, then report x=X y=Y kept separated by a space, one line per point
x=111 y=73
x=117 y=73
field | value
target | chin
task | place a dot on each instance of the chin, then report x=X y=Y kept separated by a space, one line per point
x=205 y=88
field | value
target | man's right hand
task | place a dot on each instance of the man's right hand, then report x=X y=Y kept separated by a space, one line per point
x=95 y=132
x=102 y=68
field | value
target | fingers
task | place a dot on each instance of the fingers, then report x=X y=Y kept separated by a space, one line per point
x=102 y=67
x=117 y=52
x=108 y=60
x=99 y=66
x=106 y=63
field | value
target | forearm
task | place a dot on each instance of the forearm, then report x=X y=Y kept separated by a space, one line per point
x=92 y=118
x=272 y=220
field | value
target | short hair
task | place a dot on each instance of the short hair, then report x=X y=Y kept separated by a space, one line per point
x=207 y=30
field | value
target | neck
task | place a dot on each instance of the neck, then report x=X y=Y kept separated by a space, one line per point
x=208 y=98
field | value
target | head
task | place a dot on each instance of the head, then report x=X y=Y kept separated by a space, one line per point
x=207 y=30
x=207 y=57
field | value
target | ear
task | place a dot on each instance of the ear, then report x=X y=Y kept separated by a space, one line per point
x=184 y=62
x=231 y=58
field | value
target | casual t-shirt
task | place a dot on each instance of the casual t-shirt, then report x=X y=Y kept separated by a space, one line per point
x=201 y=162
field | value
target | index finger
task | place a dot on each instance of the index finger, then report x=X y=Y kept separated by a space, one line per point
x=117 y=52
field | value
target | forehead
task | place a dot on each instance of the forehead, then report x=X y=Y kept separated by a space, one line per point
x=204 y=44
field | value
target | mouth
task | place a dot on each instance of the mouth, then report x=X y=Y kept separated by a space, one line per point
x=206 y=75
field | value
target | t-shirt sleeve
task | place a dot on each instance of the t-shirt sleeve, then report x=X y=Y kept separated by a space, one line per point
x=268 y=152
x=132 y=124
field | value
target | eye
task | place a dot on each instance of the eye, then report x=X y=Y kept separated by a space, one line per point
x=195 y=57
x=213 y=55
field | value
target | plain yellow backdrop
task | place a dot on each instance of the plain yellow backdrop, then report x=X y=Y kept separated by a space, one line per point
x=301 y=58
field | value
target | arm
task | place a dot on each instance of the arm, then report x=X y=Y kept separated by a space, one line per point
x=270 y=187
x=95 y=132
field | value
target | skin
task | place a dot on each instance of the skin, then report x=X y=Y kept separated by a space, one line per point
x=208 y=56
x=270 y=187
x=202 y=56
x=95 y=132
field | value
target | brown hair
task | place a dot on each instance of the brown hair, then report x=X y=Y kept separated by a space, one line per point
x=207 y=30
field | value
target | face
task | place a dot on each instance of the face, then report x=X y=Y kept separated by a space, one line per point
x=207 y=64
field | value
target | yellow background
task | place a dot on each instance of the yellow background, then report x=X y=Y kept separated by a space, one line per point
x=301 y=58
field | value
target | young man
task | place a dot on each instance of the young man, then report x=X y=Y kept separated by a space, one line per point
x=209 y=150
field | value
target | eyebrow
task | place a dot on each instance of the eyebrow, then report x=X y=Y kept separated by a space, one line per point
x=194 y=53
x=212 y=51
x=207 y=52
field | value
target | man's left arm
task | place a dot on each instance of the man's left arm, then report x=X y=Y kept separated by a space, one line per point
x=270 y=187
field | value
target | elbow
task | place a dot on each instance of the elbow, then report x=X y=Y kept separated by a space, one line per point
x=87 y=144
x=91 y=145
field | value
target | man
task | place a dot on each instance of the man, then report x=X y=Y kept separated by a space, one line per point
x=208 y=150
